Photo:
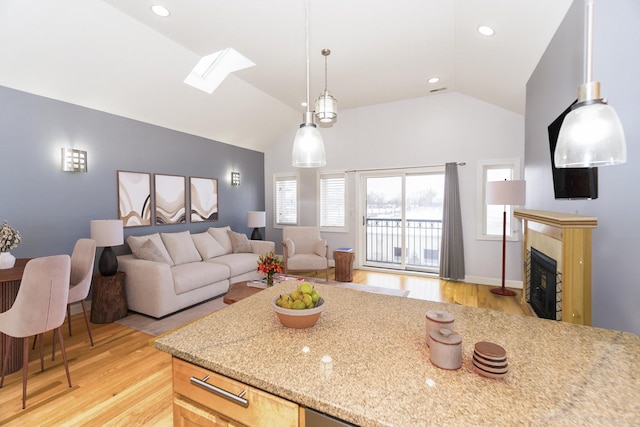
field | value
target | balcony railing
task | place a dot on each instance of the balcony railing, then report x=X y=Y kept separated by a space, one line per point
x=422 y=242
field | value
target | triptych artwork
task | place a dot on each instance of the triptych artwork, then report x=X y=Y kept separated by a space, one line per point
x=137 y=207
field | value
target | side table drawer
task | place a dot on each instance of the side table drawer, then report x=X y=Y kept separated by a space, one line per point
x=254 y=407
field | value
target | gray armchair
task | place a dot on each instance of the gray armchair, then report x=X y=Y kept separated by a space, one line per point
x=305 y=250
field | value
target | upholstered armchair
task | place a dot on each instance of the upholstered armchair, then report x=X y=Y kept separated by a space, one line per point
x=305 y=250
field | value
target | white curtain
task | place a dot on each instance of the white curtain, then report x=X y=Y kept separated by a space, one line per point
x=452 y=249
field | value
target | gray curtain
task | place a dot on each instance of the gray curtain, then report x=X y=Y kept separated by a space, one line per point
x=451 y=250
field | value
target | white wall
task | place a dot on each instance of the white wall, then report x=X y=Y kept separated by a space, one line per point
x=551 y=88
x=448 y=127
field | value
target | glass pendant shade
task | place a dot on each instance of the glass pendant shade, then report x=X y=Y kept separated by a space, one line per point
x=591 y=135
x=308 y=148
x=326 y=107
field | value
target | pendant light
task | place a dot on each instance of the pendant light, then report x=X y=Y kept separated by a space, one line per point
x=308 y=147
x=591 y=134
x=326 y=104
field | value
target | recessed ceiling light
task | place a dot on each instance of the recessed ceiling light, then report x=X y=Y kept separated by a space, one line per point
x=160 y=10
x=434 y=80
x=486 y=30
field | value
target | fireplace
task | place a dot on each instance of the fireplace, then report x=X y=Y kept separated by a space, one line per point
x=544 y=290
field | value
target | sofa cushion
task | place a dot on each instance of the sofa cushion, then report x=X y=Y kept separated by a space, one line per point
x=135 y=242
x=319 y=247
x=221 y=235
x=180 y=247
x=291 y=247
x=187 y=277
x=239 y=242
x=150 y=252
x=237 y=263
x=207 y=245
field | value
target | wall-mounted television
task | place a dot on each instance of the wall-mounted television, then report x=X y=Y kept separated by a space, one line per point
x=570 y=183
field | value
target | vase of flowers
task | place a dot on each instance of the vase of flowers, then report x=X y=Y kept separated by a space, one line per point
x=9 y=239
x=270 y=264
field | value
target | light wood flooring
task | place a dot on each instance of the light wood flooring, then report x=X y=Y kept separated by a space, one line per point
x=124 y=381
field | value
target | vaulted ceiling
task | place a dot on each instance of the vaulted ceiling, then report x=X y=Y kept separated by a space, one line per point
x=117 y=56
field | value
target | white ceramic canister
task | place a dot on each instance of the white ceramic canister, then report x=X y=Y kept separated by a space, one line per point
x=438 y=319
x=446 y=349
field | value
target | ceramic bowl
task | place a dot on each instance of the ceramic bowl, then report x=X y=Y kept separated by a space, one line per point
x=298 y=319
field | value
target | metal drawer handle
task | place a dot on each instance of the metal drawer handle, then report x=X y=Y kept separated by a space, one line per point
x=220 y=392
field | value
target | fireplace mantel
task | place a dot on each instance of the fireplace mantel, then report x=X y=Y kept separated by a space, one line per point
x=567 y=238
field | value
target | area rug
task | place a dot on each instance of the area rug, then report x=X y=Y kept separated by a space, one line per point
x=155 y=327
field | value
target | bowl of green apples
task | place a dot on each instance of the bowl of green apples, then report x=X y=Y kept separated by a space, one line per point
x=301 y=308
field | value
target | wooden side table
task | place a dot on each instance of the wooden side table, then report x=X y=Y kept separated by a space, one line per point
x=239 y=291
x=108 y=300
x=344 y=265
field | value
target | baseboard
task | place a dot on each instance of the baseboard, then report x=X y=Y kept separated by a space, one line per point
x=515 y=284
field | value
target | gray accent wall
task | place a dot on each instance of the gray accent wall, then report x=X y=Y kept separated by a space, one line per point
x=52 y=209
x=552 y=88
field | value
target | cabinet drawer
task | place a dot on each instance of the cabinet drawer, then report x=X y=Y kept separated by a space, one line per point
x=254 y=408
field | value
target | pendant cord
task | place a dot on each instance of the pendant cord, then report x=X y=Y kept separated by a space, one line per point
x=589 y=43
x=307 y=47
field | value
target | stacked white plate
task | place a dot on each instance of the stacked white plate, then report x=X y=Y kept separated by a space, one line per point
x=490 y=360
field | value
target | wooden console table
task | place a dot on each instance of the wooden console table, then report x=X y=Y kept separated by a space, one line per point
x=108 y=300
x=9 y=284
x=567 y=238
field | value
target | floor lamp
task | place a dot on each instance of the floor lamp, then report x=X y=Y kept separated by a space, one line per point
x=505 y=193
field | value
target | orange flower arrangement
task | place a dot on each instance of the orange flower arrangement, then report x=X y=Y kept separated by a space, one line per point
x=270 y=264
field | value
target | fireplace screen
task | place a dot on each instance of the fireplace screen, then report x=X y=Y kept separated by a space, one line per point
x=544 y=285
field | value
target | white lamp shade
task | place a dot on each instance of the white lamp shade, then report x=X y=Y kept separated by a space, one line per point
x=308 y=148
x=506 y=192
x=326 y=107
x=107 y=232
x=256 y=219
x=591 y=135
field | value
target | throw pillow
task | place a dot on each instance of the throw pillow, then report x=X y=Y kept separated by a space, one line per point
x=319 y=247
x=291 y=247
x=221 y=235
x=180 y=247
x=150 y=252
x=239 y=242
x=207 y=245
x=135 y=242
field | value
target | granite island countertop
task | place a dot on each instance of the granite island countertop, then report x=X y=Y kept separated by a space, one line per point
x=379 y=372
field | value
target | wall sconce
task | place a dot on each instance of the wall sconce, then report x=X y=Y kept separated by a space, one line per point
x=235 y=178
x=74 y=160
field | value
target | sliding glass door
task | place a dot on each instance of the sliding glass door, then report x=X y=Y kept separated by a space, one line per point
x=402 y=219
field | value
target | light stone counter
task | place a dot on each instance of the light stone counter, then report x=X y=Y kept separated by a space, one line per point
x=380 y=374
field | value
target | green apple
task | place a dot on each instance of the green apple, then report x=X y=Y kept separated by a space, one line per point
x=308 y=302
x=296 y=295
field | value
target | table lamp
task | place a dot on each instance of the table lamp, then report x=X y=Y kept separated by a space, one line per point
x=505 y=193
x=255 y=220
x=107 y=233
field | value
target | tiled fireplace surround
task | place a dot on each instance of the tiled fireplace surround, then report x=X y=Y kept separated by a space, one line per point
x=567 y=239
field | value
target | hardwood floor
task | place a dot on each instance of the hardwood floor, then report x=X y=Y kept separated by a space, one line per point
x=124 y=381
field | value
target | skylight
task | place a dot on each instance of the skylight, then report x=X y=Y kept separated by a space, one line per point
x=212 y=69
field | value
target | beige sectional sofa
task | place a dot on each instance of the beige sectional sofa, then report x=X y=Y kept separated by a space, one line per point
x=167 y=272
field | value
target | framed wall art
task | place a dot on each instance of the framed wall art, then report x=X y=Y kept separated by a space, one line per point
x=170 y=199
x=203 y=196
x=134 y=198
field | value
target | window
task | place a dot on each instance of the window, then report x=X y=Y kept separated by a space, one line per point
x=491 y=217
x=332 y=201
x=286 y=200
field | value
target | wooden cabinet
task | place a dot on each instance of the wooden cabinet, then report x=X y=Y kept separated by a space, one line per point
x=567 y=239
x=204 y=398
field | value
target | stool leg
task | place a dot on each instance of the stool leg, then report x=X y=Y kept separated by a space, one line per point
x=64 y=355
x=25 y=369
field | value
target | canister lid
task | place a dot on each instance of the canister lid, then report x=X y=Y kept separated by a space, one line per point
x=439 y=316
x=445 y=336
